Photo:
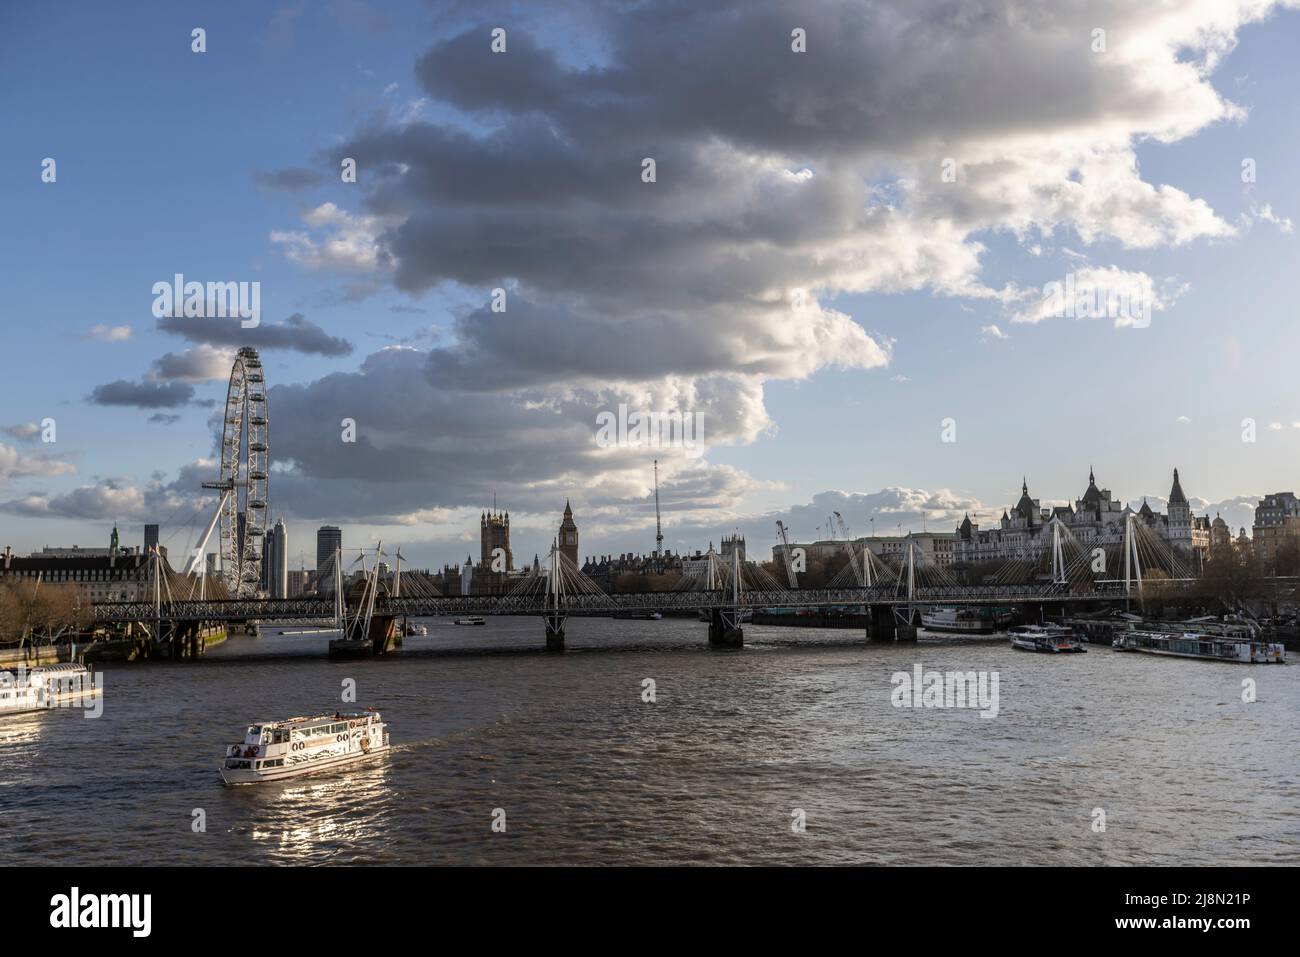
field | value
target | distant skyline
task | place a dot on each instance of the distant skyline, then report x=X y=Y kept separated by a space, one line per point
x=843 y=251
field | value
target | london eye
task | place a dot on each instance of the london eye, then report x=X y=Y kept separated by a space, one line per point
x=244 y=477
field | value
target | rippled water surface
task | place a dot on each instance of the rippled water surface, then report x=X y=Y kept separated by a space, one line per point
x=711 y=772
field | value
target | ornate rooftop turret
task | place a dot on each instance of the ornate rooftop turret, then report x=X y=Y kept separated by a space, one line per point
x=1176 y=496
x=1026 y=506
x=1093 y=494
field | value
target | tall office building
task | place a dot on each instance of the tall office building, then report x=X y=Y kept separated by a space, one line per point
x=329 y=540
x=277 y=559
x=150 y=538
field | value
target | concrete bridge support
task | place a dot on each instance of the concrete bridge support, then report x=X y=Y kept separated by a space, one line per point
x=383 y=633
x=188 y=641
x=880 y=623
x=724 y=631
x=554 y=631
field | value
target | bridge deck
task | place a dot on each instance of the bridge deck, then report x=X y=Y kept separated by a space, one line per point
x=288 y=609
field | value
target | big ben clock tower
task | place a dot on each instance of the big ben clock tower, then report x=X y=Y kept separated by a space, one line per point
x=569 y=535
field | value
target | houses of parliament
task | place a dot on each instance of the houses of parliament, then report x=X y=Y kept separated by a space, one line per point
x=495 y=572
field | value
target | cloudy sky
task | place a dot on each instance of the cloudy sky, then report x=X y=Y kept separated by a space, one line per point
x=842 y=267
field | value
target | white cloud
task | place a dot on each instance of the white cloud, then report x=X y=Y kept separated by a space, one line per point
x=203 y=363
x=339 y=241
x=1101 y=292
x=104 y=333
x=15 y=464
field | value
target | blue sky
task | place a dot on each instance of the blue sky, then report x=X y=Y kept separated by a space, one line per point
x=159 y=152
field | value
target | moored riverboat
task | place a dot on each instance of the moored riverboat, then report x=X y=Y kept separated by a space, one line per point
x=1201 y=645
x=46 y=687
x=964 y=620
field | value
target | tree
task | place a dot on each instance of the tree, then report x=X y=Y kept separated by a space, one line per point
x=32 y=609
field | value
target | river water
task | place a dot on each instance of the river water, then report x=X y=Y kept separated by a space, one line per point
x=736 y=749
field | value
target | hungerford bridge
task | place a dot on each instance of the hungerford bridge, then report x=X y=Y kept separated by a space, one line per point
x=366 y=605
x=1054 y=570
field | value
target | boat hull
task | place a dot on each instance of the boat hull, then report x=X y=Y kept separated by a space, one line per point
x=1047 y=648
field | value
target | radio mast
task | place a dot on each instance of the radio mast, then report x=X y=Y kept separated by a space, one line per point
x=659 y=531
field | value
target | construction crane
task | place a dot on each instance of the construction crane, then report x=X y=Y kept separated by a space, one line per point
x=785 y=551
x=848 y=543
x=659 y=531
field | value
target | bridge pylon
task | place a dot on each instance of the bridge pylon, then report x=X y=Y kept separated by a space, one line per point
x=724 y=629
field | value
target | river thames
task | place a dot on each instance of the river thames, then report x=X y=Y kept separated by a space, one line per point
x=735 y=750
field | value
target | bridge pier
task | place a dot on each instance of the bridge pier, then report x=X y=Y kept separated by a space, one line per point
x=725 y=630
x=382 y=634
x=187 y=642
x=880 y=623
x=554 y=631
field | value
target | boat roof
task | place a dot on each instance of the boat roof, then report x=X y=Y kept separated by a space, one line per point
x=308 y=719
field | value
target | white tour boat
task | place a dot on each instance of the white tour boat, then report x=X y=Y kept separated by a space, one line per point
x=45 y=687
x=470 y=620
x=273 y=750
x=1049 y=639
x=1199 y=645
x=971 y=621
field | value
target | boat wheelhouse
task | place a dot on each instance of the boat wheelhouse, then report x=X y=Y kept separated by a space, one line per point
x=273 y=750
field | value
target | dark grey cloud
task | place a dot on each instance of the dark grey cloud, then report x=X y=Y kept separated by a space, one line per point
x=163 y=418
x=142 y=395
x=296 y=333
x=289 y=180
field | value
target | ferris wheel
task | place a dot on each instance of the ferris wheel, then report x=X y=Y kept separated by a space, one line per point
x=244 y=477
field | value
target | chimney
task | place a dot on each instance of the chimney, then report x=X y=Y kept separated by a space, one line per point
x=9 y=554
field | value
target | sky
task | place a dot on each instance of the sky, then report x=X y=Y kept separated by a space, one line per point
x=842 y=268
